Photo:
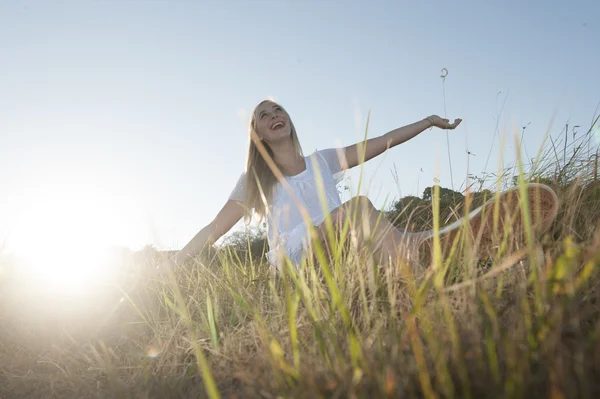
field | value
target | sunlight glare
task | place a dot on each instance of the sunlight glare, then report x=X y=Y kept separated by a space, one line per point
x=64 y=235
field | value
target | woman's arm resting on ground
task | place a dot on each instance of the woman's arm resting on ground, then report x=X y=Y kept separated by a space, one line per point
x=377 y=145
x=228 y=216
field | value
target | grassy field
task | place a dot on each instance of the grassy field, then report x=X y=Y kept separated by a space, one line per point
x=524 y=323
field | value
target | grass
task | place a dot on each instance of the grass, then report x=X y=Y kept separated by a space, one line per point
x=225 y=326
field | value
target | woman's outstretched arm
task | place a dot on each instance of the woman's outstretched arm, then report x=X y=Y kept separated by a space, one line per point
x=377 y=145
x=228 y=216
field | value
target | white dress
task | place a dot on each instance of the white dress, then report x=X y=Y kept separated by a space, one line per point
x=287 y=231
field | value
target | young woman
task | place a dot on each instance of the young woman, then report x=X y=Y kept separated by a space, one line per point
x=292 y=192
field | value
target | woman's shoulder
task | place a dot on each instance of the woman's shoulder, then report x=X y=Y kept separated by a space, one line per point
x=321 y=154
x=237 y=193
x=334 y=158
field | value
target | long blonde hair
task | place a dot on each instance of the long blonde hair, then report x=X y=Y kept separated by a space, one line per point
x=260 y=179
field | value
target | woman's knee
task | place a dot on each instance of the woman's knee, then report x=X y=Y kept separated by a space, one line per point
x=362 y=203
x=357 y=208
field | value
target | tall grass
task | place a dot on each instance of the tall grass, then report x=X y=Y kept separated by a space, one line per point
x=225 y=325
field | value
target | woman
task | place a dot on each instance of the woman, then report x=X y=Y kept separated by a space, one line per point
x=293 y=192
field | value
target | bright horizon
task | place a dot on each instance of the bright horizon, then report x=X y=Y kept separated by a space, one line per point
x=125 y=123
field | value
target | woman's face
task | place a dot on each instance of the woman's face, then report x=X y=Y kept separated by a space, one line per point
x=272 y=123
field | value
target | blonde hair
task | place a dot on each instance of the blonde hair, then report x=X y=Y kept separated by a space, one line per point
x=260 y=179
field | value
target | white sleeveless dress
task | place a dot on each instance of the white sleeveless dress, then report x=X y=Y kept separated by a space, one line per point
x=287 y=231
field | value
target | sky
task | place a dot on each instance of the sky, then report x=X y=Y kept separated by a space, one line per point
x=125 y=122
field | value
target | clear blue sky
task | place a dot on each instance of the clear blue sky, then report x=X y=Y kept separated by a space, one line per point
x=144 y=102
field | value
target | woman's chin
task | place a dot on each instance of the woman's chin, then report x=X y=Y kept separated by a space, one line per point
x=276 y=137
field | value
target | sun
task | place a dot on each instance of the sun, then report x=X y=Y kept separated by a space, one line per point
x=64 y=233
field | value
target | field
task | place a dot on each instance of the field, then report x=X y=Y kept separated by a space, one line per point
x=524 y=322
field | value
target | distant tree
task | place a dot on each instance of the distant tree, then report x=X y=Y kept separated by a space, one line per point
x=410 y=213
x=245 y=245
x=447 y=196
x=415 y=214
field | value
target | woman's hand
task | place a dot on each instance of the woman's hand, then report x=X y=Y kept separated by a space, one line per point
x=442 y=123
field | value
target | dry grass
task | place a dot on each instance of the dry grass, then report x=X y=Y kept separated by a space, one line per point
x=526 y=324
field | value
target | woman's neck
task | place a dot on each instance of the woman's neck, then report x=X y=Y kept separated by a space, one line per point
x=289 y=161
